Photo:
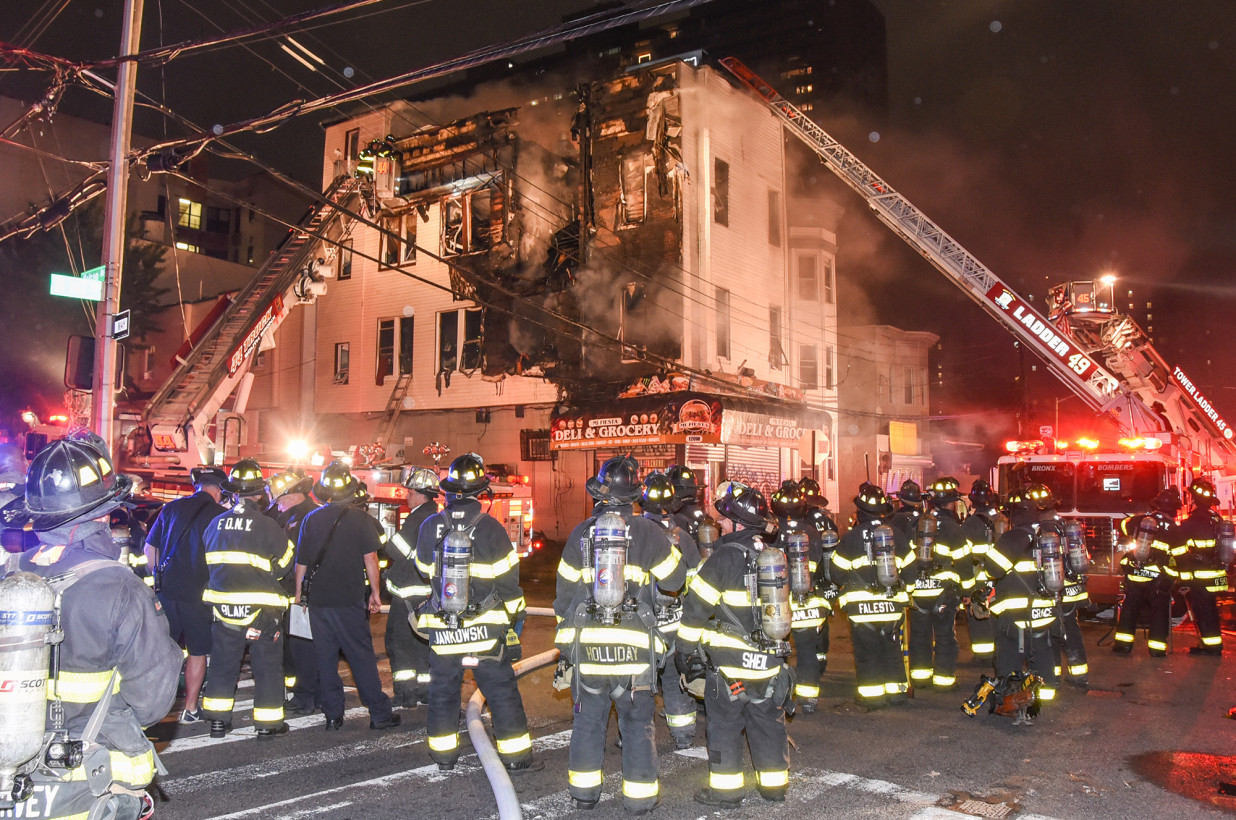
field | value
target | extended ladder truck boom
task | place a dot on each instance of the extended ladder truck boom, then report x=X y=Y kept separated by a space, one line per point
x=1117 y=373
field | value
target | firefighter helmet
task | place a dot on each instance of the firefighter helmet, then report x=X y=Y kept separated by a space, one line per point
x=288 y=482
x=424 y=480
x=1041 y=495
x=742 y=504
x=910 y=493
x=1203 y=492
x=1169 y=500
x=466 y=476
x=871 y=499
x=982 y=495
x=245 y=479
x=12 y=464
x=68 y=481
x=1020 y=500
x=813 y=496
x=617 y=482
x=683 y=479
x=787 y=501
x=336 y=483
x=944 y=491
x=207 y=476
x=659 y=495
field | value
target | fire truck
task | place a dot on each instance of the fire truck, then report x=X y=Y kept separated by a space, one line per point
x=1098 y=353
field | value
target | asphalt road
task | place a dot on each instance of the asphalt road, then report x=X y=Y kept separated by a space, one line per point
x=1150 y=739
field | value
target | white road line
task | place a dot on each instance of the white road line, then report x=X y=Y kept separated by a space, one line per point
x=184 y=744
x=937 y=813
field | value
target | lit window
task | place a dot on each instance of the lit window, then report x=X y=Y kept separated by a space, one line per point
x=188 y=246
x=190 y=214
x=806 y=107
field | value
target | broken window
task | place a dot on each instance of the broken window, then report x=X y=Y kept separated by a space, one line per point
x=470 y=356
x=453 y=237
x=469 y=219
x=723 y=323
x=345 y=259
x=776 y=354
x=342 y=358
x=633 y=185
x=392 y=242
x=448 y=341
x=405 y=345
x=386 y=349
x=481 y=208
x=721 y=192
x=808 y=278
x=808 y=367
x=774 y=218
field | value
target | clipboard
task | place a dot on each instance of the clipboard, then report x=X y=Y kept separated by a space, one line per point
x=298 y=622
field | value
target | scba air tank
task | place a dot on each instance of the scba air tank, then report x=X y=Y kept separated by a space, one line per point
x=1075 y=540
x=884 y=556
x=772 y=580
x=27 y=612
x=1051 y=562
x=456 y=572
x=798 y=554
x=925 y=535
x=609 y=561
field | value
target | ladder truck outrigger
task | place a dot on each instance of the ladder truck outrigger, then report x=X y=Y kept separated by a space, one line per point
x=1098 y=353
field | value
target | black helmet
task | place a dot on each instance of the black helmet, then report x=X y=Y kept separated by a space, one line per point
x=683 y=479
x=910 y=493
x=245 y=479
x=1021 y=499
x=336 y=482
x=982 y=495
x=788 y=501
x=617 y=482
x=871 y=499
x=203 y=476
x=944 y=491
x=659 y=495
x=466 y=476
x=288 y=482
x=742 y=504
x=1041 y=495
x=1203 y=492
x=813 y=496
x=1169 y=500
x=68 y=481
x=12 y=464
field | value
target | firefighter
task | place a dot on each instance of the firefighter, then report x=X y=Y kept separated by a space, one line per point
x=1066 y=635
x=686 y=491
x=982 y=527
x=408 y=652
x=612 y=566
x=1149 y=574
x=801 y=543
x=475 y=601
x=941 y=549
x=819 y=516
x=117 y=662
x=873 y=563
x=658 y=503
x=817 y=505
x=176 y=556
x=290 y=504
x=12 y=487
x=335 y=554
x=1024 y=602
x=732 y=645
x=248 y=555
x=1201 y=571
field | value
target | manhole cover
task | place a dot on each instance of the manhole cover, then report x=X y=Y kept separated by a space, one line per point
x=980 y=809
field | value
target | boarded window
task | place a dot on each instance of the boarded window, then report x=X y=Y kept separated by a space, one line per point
x=634 y=185
x=723 y=323
x=721 y=192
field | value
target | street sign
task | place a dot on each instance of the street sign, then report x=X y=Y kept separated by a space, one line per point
x=76 y=287
x=120 y=325
x=95 y=274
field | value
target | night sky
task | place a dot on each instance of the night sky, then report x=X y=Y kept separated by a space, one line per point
x=1055 y=140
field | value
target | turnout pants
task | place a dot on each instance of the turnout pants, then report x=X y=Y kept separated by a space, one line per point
x=811 y=651
x=1018 y=647
x=640 y=787
x=1067 y=640
x=1202 y=603
x=346 y=629
x=982 y=636
x=764 y=724
x=1154 y=599
x=409 y=655
x=227 y=650
x=679 y=705
x=933 y=631
x=496 y=680
x=878 y=667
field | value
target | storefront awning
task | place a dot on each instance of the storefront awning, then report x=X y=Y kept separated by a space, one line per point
x=683 y=417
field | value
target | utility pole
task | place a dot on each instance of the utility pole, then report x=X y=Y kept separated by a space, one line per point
x=114 y=223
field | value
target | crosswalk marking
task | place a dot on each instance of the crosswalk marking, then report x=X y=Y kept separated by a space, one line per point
x=184 y=744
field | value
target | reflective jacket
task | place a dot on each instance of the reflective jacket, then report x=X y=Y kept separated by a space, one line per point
x=291 y=520
x=809 y=610
x=1157 y=570
x=630 y=646
x=1197 y=557
x=668 y=607
x=403 y=579
x=863 y=599
x=1075 y=591
x=248 y=555
x=495 y=596
x=950 y=557
x=718 y=616
x=1019 y=592
x=980 y=531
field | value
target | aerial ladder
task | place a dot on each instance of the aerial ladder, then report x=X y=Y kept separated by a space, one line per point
x=183 y=413
x=1103 y=357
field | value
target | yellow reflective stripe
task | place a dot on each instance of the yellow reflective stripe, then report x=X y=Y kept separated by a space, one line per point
x=634 y=574
x=405 y=549
x=805 y=690
x=999 y=559
x=842 y=562
x=499 y=567
x=137 y=770
x=706 y=591
x=772 y=780
x=412 y=591
x=444 y=743
x=1124 y=637
x=723 y=640
x=871 y=691
x=1216 y=640
x=569 y=573
x=871 y=619
x=273 y=599
x=740 y=673
x=584 y=780
x=1084 y=668
x=217 y=704
x=680 y=721
x=942 y=680
x=671 y=562
x=268 y=715
x=382 y=538
x=1009 y=603
x=137 y=559
x=920 y=674
x=515 y=745
x=621 y=669
x=1047 y=693
x=425 y=569
x=904 y=561
x=514 y=605
x=690 y=634
x=1160 y=646
x=982 y=648
x=237 y=557
x=149 y=581
x=1027 y=565
x=403 y=674
x=288 y=554
x=636 y=791
x=83 y=687
x=736 y=597
x=725 y=782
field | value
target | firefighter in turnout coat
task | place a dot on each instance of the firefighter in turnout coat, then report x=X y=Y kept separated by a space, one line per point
x=1200 y=568
x=735 y=620
x=409 y=653
x=1066 y=634
x=611 y=567
x=801 y=543
x=820 y=518
x=1149 y=574
x=873 y=563
x=248 y=555
x=658 y=504
x=1023 y=604
x=942 y=549
x=982 y=527
x=475 y=597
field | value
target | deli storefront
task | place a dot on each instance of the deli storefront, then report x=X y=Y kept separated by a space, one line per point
x=723 y=438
